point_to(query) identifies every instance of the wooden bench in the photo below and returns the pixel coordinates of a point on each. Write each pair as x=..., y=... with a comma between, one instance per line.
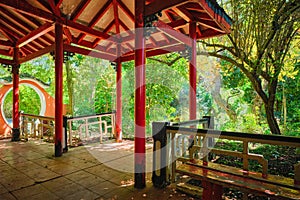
x=215, y=177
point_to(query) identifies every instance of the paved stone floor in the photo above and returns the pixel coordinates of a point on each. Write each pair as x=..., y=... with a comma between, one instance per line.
x=28, y=170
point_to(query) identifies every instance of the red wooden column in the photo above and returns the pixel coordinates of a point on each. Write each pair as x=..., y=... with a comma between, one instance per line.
x=140, y=97
x=193, y=72
x=15, y=74
x=119, y=98
x=59, y=58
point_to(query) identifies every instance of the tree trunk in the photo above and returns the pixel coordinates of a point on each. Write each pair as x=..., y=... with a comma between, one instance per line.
x=269, y=107
x=70, y=88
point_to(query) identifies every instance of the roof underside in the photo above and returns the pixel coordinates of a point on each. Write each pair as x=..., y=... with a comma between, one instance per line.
x=96, y=27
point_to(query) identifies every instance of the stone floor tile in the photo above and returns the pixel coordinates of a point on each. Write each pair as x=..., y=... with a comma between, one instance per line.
x=29, y=191
x=7, y=196
x=103, y=171
x=85, y=179
x=25, y=166
x=56, y=183
x=62, y=168
x=47, y=195
x=66, y=189
x=17, y=181
x=41, y=174
x=119, y=194
x=2, y=189
x=82, y=195
x=104, y=188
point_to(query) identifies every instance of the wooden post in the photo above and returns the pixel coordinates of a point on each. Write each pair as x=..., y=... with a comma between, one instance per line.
x=193, y=72
x=16, y=117
x=59, y=58
x=119, y=96
x=140, y=98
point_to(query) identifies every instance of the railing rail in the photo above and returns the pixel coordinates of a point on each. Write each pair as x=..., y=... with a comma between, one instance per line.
x=86, y=122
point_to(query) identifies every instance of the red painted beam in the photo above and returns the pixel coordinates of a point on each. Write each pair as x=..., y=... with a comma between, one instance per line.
x=23, y=24
x=91, y=53
x=6, y=43
x=140, y=98
x=24, y=7
x=37, y=54
x=193, y=72
x=126, y=10
x=53, y=7
x=116, y=16
x=35, y=34
x=159, y=5
x=80, y=8
x=165, y=28
x=86, y=30
x=155, y=52
x=59, y=59
x=217, y=18
x=97, y=17
x=6, y=61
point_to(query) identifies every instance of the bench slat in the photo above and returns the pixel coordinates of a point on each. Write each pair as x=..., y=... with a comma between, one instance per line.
x=272, y=179
x=238, y=182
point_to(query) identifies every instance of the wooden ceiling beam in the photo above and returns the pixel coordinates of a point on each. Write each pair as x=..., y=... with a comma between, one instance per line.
x=45, y=28
x=168, y=30
x=9, y=37
x=54, y=8
x=109, y=26
x=6, y=61
x=45, y=5
x=79, y=9
x=159, y=5
x=14, y=28
x=177, y=24
x=68, y=34
x=37, y=54
x=154, y=52
x=116, y=16
x=24, y=7
x=126, y=10
x=6, y=43
x=5, y=52
x=88, y=52
x=96, y=18
x=86, y=30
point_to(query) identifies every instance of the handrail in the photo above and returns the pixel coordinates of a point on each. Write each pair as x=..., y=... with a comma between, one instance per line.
x=259, y=138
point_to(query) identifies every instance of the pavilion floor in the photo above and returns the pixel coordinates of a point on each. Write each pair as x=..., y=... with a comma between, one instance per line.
x=28, y=170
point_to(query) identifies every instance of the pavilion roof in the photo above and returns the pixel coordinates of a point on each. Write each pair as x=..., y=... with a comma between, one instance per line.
x=97, y=27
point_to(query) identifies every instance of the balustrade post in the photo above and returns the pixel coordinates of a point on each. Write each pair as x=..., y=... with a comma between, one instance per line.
x=159, y=173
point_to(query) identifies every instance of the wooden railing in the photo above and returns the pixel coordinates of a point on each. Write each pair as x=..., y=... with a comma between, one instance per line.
x=36, y=126
x=193, y=152
x=201, y=149
x=81, y=127
x=85, y=127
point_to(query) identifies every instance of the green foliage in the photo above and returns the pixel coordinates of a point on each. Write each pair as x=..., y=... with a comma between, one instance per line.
x=30, y=102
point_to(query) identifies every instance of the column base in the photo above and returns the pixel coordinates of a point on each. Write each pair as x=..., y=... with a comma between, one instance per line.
x=15, y=134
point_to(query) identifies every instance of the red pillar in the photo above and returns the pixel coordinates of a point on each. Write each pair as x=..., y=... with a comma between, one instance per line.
x=119, y=99
x=140, y=98
x=59, y=57
x=15, y=73
x=193, y=72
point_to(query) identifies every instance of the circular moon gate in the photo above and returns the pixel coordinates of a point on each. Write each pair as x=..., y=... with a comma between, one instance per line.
x=47, y=102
